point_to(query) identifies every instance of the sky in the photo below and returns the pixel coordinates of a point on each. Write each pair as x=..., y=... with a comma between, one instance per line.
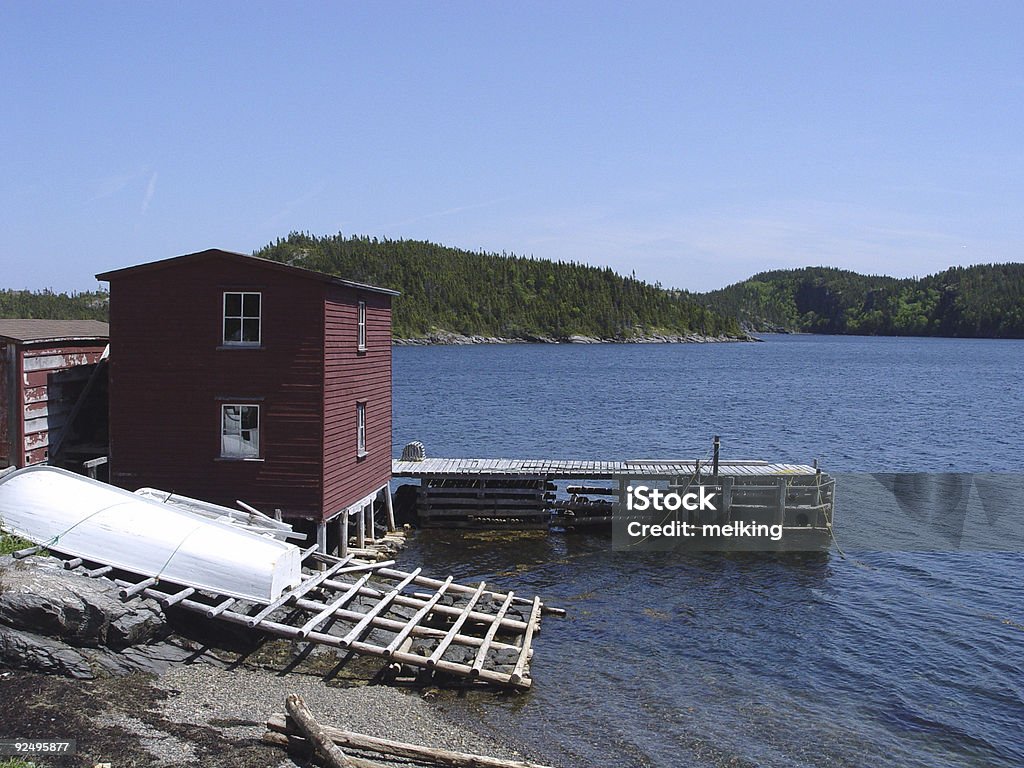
x=692, y=143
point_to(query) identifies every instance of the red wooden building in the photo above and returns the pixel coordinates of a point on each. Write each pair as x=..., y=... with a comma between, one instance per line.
x=48, y=370
x=239, y=378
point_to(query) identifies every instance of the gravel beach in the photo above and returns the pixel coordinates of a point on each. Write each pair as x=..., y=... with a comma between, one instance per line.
x=207, y=714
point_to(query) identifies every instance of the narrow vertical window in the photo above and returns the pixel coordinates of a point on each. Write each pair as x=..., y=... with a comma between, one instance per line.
x=240, y=431
x=242, y=317
x=361, y=328
x=361, y=429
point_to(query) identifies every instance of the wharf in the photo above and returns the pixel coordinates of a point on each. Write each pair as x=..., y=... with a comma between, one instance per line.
x=588, y=470
x=573, y=495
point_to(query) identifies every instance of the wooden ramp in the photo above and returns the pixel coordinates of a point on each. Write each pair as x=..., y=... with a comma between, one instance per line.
x=421, y=625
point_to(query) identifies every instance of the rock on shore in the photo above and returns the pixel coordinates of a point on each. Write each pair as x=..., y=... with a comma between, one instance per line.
x=52, y=620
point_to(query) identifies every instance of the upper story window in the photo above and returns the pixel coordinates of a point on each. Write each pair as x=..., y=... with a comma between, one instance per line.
x=242, y=317
x=240, y=431
x=361, y=327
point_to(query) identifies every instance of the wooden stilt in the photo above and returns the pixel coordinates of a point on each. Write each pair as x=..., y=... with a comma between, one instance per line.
x=321, y=537
x=390, y=509
x=343, y=546
x=370, y=532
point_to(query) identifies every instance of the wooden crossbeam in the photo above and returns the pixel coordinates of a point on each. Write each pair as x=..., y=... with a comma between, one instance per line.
x=524, y=654
x=302, y=589
x=481, y=654
x=334, y=606
x=377, y=609
x=416, y=619
x=453, y=631
x=393, y=625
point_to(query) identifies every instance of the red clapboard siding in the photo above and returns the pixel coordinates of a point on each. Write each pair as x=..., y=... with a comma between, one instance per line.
x=350, y=377
x=170, y=374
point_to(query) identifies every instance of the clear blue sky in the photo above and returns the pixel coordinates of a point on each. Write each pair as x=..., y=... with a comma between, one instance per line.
x=696, y=143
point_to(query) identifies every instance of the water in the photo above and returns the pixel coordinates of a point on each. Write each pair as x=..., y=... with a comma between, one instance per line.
x=879, y=659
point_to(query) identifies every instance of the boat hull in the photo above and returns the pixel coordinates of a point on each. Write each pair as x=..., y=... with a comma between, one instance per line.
x=80, y=517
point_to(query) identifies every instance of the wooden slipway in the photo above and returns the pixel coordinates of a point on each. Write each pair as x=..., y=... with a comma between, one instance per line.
x=421, y=625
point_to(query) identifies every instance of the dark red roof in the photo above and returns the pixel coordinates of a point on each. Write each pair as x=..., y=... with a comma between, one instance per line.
x=211, y=253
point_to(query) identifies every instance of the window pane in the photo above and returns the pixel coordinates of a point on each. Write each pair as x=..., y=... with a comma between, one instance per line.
x=240, y=434
x=250, y=330
x=232, y=329
x=232, y=418
x=232, y=304
x=250, y=417
x=251, y=305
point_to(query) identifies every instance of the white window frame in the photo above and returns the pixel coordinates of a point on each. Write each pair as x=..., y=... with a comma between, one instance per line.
x=360, y=429
x=361, y=327
x=241, y=318
x=228, y=452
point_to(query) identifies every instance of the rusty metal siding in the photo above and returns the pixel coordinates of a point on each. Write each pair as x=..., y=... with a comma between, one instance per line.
x=352, y=377
x=170, y=373
x=52, y=377
x=10, y=400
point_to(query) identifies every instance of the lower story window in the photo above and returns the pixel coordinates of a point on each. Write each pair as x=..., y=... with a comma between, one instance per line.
x=361, y=429
x=240, y=431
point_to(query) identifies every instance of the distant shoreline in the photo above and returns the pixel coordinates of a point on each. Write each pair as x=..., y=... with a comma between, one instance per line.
x=449, y=338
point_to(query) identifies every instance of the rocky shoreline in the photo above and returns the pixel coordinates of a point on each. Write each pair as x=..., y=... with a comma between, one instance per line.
x=441, y=337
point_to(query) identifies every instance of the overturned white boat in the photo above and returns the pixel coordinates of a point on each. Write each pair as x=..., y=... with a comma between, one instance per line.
x=84, y=518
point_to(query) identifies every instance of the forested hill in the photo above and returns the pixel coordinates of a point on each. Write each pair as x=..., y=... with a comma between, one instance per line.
x=500, y=295
x=986, y=300
x=47, y=305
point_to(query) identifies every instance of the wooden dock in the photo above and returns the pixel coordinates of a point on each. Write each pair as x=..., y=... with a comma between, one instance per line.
x=532, y=493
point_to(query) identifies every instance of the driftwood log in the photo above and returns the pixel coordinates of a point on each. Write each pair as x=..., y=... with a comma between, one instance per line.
x=300, y=747
x=280, y=724
x=310, y=729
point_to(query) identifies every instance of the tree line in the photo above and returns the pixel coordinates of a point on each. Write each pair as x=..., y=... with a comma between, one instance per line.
x=48, y=305
x=490, y=294
x=981, y=301
x=504, y=295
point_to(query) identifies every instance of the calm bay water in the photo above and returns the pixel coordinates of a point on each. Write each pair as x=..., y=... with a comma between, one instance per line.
x=877, y=659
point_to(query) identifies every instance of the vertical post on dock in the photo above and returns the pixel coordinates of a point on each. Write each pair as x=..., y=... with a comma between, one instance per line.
x=780, y=511
x=714, y=460
x=727, y=498
x=360, y=528
x=321, y=537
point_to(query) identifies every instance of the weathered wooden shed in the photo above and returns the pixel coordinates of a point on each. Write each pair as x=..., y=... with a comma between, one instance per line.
x=239, y=378
x=47, y=369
